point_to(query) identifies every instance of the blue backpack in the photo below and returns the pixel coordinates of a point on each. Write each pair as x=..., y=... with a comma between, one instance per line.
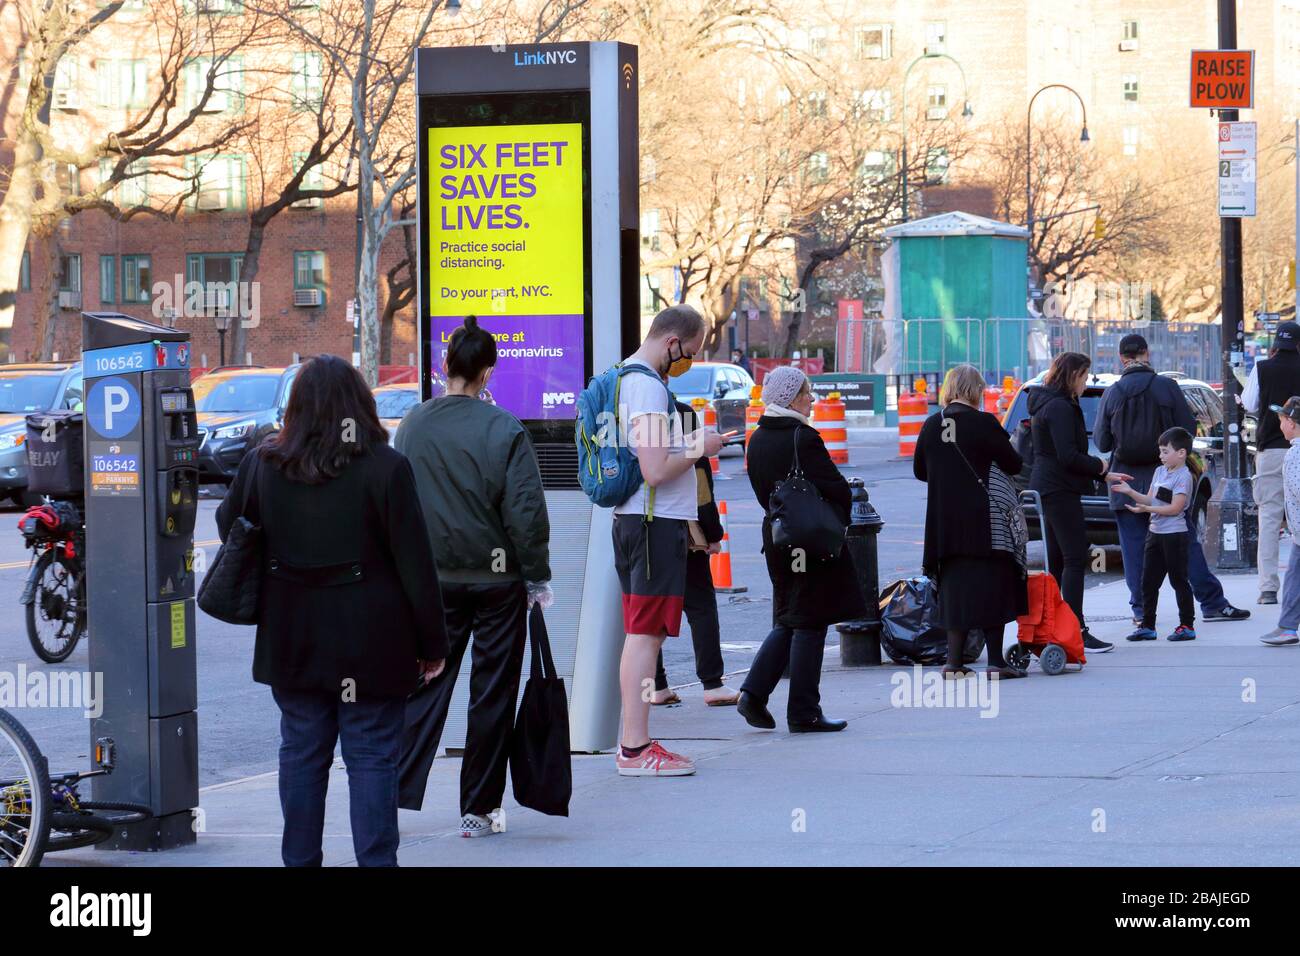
x=607, y=470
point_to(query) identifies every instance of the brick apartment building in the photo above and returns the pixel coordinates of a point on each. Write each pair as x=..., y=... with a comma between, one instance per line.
x=1127, y=58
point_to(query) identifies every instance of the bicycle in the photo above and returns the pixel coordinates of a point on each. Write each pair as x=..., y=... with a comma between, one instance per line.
x=34, y=804
x=55, y=592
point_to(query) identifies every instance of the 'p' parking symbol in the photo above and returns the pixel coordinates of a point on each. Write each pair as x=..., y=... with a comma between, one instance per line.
x=113, y=407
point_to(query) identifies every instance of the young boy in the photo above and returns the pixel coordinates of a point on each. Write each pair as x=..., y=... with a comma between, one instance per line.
x=1289, y=416
x=1167, y=535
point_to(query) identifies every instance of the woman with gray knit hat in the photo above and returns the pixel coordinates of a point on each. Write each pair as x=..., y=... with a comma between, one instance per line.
x=808, y=595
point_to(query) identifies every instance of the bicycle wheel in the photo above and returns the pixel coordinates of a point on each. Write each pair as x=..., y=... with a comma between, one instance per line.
x=24, y=796
x=56, y=618
x=71, y=830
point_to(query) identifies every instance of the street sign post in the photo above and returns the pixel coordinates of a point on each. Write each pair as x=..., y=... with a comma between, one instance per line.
x=1223, y=79
x=1237, y=169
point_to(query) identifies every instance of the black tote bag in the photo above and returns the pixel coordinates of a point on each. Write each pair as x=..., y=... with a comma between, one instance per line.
x=540, y=768
x=802, y=518
x=233, y=581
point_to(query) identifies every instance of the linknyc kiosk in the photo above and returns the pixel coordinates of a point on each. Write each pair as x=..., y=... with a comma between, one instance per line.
x=141, y=488
x=529, y=220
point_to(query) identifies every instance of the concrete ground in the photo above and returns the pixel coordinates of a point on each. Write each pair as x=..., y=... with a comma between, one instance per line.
x=1155, y=754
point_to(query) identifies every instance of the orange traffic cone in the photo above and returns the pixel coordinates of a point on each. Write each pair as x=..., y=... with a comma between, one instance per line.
x=720, y=563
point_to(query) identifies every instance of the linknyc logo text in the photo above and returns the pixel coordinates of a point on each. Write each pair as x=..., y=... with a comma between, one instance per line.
x=547, y=58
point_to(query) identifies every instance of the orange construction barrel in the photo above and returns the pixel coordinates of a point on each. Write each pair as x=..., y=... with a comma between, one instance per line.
x=753, y=412
x=991, y=396
x=912, y=411
x=828, y=419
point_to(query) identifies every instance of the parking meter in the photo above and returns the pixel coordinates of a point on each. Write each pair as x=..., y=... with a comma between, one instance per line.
x=141, y=488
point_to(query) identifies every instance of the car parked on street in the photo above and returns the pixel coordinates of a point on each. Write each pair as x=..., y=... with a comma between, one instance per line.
x=24, y=389
x=1207, y=408
x=394, y=401
x=238, y=407
x=723, y=385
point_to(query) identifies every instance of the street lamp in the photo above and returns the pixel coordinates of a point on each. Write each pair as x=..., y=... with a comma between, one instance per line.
x=1029, y=156
x=222, y=322
x=966, y=111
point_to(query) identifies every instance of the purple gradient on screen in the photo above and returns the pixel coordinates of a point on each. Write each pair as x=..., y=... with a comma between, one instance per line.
x=528, y=386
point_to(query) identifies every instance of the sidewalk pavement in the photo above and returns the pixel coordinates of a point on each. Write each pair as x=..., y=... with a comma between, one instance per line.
x=1154, y=754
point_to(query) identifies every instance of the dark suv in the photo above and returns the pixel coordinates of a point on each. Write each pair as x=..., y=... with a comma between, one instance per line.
x=237, y=408
x=1206, y=406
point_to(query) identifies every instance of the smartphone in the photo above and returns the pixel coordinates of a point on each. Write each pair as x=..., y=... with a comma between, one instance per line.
x=1165, y=494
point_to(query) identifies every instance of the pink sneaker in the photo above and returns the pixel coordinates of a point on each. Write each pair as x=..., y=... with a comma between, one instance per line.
x=654, y=761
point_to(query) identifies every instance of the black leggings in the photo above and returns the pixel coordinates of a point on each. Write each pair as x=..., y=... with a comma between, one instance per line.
x=1067, y=547
x=993, y=638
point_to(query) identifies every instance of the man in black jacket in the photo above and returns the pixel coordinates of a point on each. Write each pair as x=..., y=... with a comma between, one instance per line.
x=1166, y=408
x=1272, y=382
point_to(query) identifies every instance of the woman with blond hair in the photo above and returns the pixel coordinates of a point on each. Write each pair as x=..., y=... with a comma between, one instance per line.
x=974, y=531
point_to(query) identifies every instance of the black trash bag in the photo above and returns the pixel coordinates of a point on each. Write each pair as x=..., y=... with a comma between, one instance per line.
x=908, y=631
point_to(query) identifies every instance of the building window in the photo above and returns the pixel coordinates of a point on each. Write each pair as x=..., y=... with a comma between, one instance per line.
x=1129, y=39
x=227, y=76
x=134, y=189
x=221, y=182
x=137, y=278
x=25, y=273
x=309, y=270
x=305, y=89
x=816, y=105
x=68, y=176
x=1131, y=140
x=70, y=273
x=877, y=165
x=817, y=40
x=122, y=84
x=936, y=36
x=1130, y=88
x=217, y=6
x=107, y=280
x=936, y=167
x=874, y=42
x=875, y=106
x=650, y=229
x=936, y=103
x=818, y=167
x=64, y=95
x=218, y=273
x=650, y=296
x=649, y=171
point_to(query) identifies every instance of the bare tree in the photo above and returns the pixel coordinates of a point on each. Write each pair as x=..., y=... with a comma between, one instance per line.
x=152, y=142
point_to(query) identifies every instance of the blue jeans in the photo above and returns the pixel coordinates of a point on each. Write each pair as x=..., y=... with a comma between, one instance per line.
x=1289, y=619
x=371, y=737
x=1132, y=540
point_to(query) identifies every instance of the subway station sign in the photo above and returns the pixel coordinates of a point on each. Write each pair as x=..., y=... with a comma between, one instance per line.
x=1223, y=79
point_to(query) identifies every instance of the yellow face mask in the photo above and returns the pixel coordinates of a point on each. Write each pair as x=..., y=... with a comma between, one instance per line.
x=680, y=365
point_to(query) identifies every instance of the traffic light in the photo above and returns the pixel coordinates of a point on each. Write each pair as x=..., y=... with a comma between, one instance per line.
x=1099, y=228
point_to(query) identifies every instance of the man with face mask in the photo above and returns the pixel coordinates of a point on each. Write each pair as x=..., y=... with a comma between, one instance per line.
x=650, y=529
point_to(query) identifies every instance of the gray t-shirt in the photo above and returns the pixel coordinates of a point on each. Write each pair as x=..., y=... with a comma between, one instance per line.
x=1179, y=483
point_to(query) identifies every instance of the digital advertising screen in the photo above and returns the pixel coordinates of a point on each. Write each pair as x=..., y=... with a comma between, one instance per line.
x=505, y=241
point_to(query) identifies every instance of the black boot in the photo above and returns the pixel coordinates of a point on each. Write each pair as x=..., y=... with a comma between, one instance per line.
x=755, y=713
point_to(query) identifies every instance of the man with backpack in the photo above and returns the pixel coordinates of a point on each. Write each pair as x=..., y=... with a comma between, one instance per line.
x=633, y=456
x=1272, y=382
x=1134, y=413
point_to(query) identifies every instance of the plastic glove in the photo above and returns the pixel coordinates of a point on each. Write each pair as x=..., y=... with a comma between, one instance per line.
x=540, y=593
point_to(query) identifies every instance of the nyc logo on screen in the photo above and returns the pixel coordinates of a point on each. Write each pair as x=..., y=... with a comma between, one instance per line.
x=551, y=399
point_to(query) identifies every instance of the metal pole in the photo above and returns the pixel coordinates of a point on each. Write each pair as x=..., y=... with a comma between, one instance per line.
x=221, y=336
x=1232, y=518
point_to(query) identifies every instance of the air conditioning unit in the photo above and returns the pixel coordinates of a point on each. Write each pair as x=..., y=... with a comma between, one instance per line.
x=69, y=300
x=308, y=298
x=212, y=199
x=312, y=202
x=1128, y=46
x=65, y=100
x=937, y=113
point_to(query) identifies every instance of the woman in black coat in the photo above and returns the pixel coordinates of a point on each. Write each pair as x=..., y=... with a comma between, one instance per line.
x=349, y=612
x=981, y=583
x=808, y=595
x=1064, y=471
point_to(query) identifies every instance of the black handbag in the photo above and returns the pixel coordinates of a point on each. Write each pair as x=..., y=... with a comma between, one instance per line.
x=230, y=588
x=540, y=768
x=801, y=517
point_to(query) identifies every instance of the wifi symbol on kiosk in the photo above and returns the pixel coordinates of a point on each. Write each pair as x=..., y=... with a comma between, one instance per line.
x=627, y=76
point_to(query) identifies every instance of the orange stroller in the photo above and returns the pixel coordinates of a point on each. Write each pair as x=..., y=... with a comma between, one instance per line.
x=1050, y=630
